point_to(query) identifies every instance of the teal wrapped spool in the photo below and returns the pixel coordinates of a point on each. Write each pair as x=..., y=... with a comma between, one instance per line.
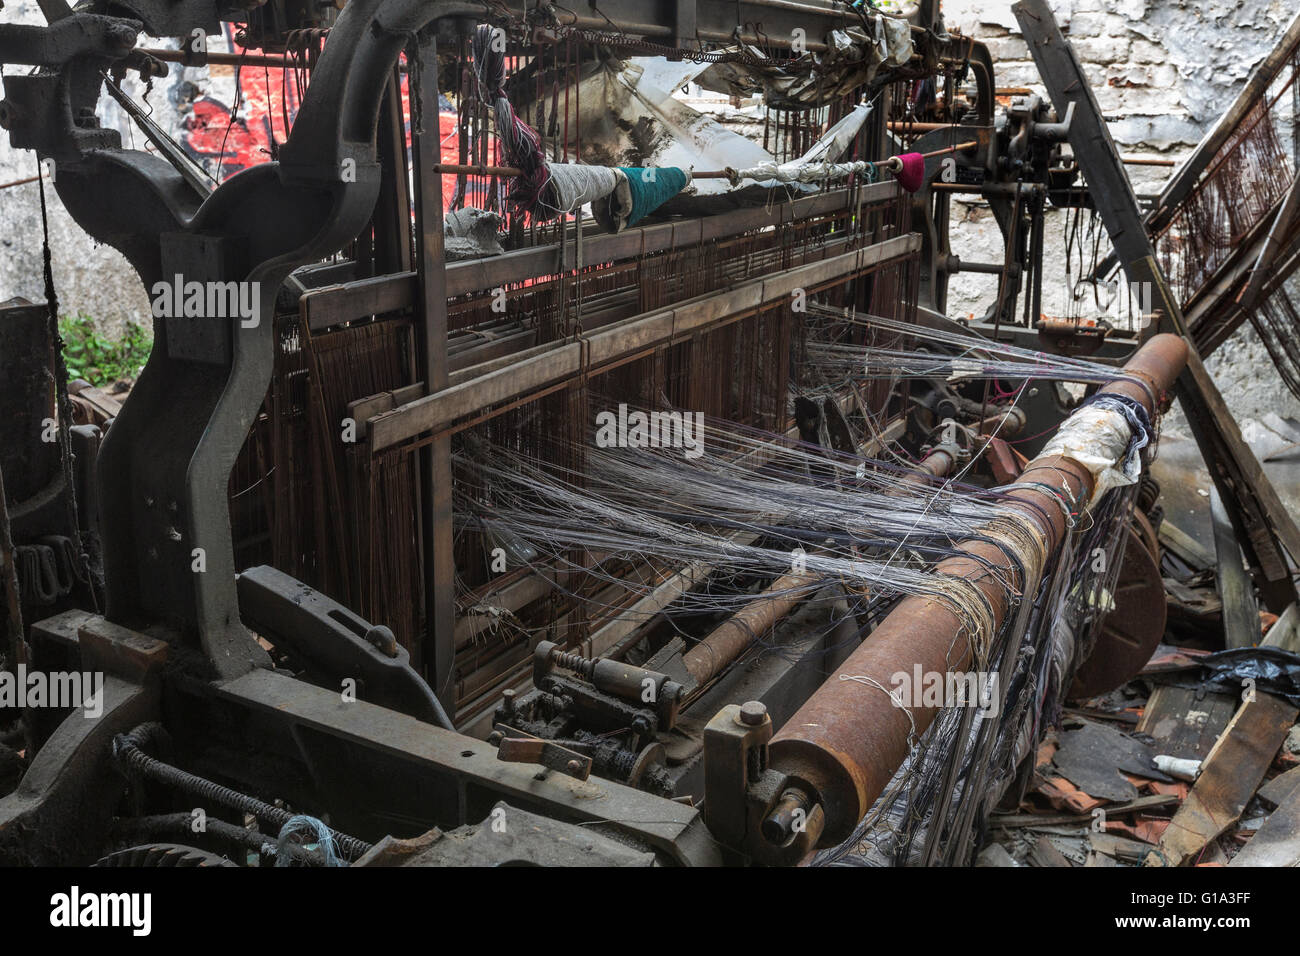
x=652, y=191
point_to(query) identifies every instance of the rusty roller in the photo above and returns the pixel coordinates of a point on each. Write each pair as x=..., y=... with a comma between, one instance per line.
x=845, y=744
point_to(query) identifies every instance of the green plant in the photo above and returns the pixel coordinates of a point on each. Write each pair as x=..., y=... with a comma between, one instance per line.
x=98, y=359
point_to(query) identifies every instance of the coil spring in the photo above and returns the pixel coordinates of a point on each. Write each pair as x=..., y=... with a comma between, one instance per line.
x=573, y=662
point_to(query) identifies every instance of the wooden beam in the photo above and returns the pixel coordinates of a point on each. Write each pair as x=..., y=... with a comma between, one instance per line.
x=1277, y=842
x=350, y=301
x=1229, y=777
x=1185, y=546
x=1240, y=611
x=436, y=510
x=1016, y=821
x=620, y=342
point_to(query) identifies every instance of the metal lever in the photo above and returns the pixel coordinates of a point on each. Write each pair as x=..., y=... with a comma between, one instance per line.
x=517, y=746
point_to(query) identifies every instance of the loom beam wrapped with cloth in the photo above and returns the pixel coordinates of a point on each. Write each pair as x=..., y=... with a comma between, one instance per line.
x=849, y=738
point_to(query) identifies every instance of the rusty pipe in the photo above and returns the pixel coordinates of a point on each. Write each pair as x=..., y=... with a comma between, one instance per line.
x=1006, y=423
x=939, y=462
x=729, y=639
x=847, y=740
x=224, y=59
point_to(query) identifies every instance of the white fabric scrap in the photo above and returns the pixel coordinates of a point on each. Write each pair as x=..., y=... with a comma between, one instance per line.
x=893, y=40
x=817, y=165
x=1096, y=438
x=798, y=172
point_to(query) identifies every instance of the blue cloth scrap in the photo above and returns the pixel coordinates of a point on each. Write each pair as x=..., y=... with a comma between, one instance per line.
x=649, y=192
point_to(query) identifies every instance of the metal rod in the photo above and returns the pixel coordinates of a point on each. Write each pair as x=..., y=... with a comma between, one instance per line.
x=19, y=182
x=729, y=639
x=223, y=59
x=732, y=637
x=475, y=169
x=472, y=169
x=1141, y=161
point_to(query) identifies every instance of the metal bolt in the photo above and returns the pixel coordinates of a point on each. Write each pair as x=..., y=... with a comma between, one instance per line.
x=575, y=766
x=752, y=713
x=783, y=823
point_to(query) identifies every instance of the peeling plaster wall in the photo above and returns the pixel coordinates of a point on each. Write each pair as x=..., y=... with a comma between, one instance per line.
x=1163, y=70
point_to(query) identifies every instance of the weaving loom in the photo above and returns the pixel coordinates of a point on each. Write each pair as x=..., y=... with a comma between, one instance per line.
x=659, y=483
x=637, y=555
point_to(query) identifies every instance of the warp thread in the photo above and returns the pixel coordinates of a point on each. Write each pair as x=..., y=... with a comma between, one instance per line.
x=976, y=357
x=656, y=503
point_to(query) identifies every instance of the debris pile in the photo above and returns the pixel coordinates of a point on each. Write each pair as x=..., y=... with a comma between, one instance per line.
x=1194, y=762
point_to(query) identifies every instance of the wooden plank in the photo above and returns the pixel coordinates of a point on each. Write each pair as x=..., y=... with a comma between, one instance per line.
x=1240, y=612
x=1013, y=821
x=1045, y=853
x=1229, y=778
x=1263, y=525
x=1285, y=632
x=439, y=646
x=104, y=403
x=1275, y=792
x=1184, y=722
x=1191, y=551
x=1277, y=842
x=393, y=207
